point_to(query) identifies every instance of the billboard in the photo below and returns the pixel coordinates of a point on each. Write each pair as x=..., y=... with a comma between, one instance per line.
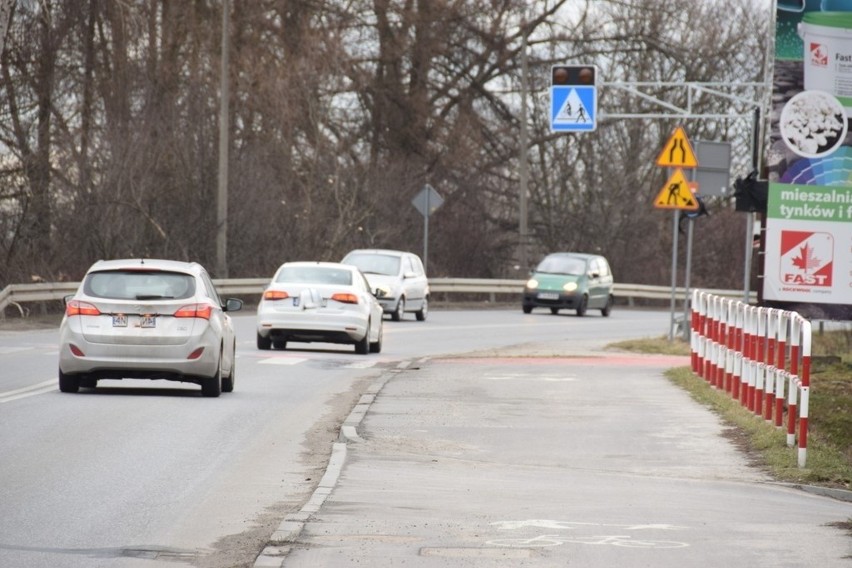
x=808, y=244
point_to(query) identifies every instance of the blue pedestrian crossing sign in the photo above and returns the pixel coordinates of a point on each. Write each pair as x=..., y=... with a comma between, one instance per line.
x=573, y=98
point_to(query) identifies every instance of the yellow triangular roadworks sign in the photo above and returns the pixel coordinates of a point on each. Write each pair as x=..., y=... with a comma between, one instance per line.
x=677, y=153
x=676, y=194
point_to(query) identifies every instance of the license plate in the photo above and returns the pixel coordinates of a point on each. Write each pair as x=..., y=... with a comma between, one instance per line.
x=548, y=295
x=147, y=321
x=119, y=320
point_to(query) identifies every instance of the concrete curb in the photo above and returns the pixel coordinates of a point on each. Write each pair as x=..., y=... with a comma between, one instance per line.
x=839, y=494
x=275, y=552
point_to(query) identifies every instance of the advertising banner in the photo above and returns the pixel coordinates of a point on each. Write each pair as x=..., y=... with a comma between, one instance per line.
x=808, y=244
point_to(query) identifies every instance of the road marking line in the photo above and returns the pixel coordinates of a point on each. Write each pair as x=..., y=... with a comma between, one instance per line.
x=550, y=378
x=10, y=350
x=32, y=390
x=360, y=365
x=282, y=361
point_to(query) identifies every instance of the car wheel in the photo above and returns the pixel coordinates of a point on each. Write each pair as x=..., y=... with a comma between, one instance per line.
x=279, y=344
x=424, y=309
x=607, y=309
x=584, y=305
x=212, y=386
x=264, y=343
x=377, y=346
x=527, y=309
x=68, y=383
x=363, y=347
x=228, y=382
x=554, y=311
x=88, y=382
x=400, y=309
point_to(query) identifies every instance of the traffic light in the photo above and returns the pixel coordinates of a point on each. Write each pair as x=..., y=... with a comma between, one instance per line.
x=573, y=75
x=751, y=194
x=689, y=214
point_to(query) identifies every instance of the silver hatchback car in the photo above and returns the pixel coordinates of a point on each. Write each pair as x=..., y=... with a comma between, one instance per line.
x=148, y=319
x=401, y=277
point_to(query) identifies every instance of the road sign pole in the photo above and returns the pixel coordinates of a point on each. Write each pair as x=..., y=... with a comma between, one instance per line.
x=686, y=281
x=675, y=215
x=426, y=236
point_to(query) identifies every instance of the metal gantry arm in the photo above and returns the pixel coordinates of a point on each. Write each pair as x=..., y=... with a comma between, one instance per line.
x=747, y=95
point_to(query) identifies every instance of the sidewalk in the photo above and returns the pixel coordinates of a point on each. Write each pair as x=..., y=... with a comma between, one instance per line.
x=534, y=458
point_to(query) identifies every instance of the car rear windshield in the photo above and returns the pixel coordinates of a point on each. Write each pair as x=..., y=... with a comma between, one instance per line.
x=139, y=285
x=315, y=275
x=375, y=263
x=562, y=265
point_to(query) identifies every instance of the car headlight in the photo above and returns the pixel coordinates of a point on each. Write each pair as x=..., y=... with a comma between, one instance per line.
x=532, y=284
x=570, y=286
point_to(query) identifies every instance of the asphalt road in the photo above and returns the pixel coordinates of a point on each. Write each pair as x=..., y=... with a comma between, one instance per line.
x=143, y=473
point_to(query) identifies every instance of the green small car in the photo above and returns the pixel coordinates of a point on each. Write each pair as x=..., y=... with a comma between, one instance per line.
x=570, y=281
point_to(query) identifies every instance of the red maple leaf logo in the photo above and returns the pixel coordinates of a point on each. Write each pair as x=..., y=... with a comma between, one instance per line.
x=806, y=259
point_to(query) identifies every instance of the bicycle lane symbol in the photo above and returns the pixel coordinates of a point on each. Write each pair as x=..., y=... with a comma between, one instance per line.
x=546, y=540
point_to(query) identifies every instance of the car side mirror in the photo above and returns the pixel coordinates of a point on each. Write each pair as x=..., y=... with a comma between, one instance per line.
x=409, y=275
x=233, y=305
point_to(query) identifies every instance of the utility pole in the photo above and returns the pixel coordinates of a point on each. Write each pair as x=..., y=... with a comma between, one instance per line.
x=522, y=159
x=5, y=15
x=222, y=194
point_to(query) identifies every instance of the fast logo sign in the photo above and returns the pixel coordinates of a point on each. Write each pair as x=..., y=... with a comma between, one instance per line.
x=807, y=259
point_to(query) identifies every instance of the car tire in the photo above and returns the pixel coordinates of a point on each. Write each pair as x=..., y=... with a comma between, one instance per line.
x=424, y=309
x=362, y=347
x=228, y=382
x=279, y=344
x=607, y=309
x=68, y=383
x=264, y=343
x=583, y=306
x=212, y=386
x=377, y=346
x=554, y=311
x=527, y=309
x=397, y=314
x=88, y=382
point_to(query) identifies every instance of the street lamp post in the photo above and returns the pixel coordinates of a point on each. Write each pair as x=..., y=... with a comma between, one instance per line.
x=222, y=194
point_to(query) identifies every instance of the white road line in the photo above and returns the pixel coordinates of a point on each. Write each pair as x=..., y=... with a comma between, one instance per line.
x=360, y=365
x=32, y=390
x=10, y=350
x=282, y=361
x=526, y=377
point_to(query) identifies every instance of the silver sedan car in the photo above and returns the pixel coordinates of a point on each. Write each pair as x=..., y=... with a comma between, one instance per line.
x=147, y=319
x=319, y=301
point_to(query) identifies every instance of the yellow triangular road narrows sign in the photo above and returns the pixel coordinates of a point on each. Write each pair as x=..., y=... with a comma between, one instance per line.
x=677, y=153
x=676, y=194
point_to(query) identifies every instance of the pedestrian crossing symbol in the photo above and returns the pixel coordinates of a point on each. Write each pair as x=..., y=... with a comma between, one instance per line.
x=677, y=194
x=573, y=108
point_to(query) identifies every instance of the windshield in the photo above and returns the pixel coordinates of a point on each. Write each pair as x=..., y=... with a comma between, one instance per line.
x=315, y=275
x=562, y=265
x=139, y=285
x=375, y=263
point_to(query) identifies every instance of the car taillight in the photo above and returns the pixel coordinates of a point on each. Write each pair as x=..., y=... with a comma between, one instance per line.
x=202, y=311
x=275, y=295
x=345, y=298
x=78, y=308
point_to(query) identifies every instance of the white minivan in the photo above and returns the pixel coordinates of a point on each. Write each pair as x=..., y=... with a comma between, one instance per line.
x=400, y=275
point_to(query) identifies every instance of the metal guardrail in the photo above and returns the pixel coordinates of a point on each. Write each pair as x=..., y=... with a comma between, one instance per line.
x=16, y=295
